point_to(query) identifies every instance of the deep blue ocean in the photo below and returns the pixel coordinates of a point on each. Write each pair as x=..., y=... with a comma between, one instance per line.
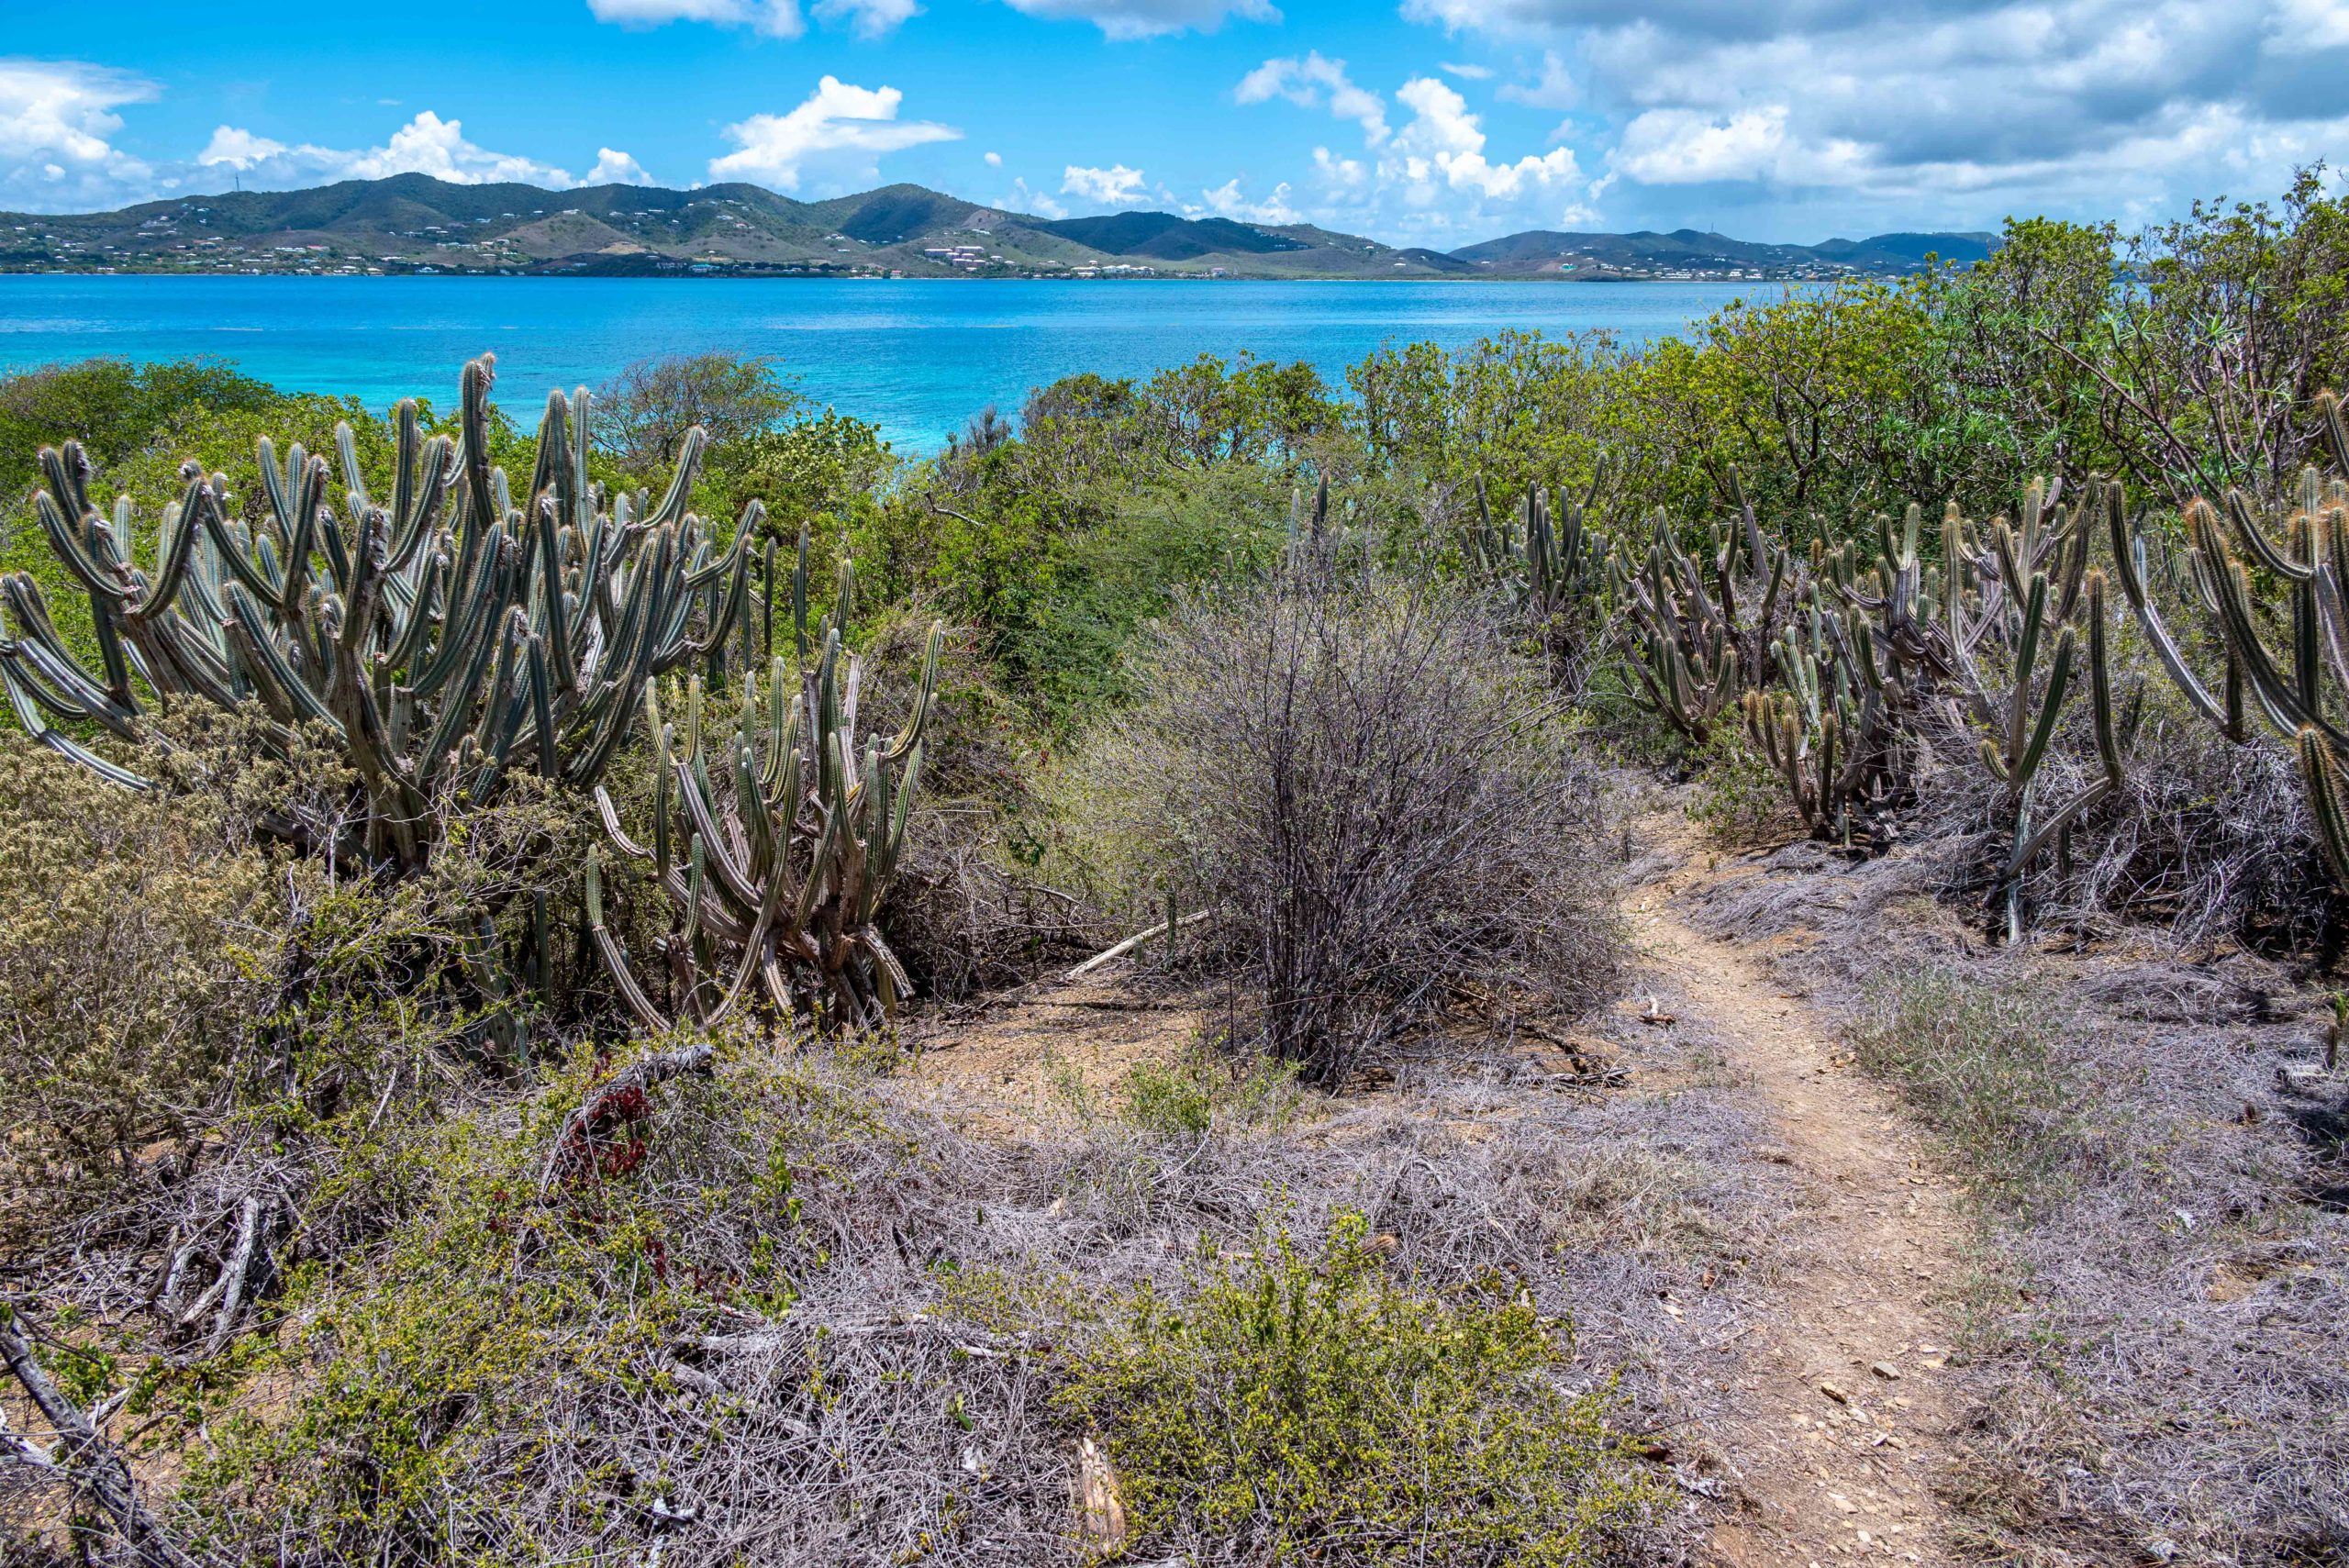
x=916, y=357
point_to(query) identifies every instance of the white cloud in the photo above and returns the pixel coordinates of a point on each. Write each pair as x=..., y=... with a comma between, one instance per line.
x=1114, y=186
x=1127, y=20
x=2311, y=23
x=993, y=160
x=57, y=125
x=1227, y=201
x=1683, y=147
x=776, y=18
x=2094, y=107
x=1023, y=199
x=1553, y=89
x=1467, y=73
x=1304, y=82
x=425, y=145
x=614, y=167
x=1432, y=176
x=867, y=18
x=1444, y=143
x=1339, y=173
x=233, y=148
x=839, y=134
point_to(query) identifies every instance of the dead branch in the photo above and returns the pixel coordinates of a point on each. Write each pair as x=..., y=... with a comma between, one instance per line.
x=619, y=1100
x=1123, y=948
x=82, y=1456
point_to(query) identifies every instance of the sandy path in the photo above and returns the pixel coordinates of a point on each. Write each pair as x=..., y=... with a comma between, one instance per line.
x=1852, y=1473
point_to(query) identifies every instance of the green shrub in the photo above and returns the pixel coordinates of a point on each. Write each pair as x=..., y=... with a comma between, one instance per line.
x=1200, y=1091
x=1309, y=1409
x=140, y=939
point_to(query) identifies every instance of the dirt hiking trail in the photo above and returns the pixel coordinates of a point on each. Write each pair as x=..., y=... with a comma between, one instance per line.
x=1841, y=1435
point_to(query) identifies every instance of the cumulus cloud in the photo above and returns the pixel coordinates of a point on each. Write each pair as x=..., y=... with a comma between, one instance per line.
x=1338, y=174
x=1307, y=83
x=1941, y=110
x=838, y=135
x=1022, y=198
x=425, y=145
x=1552, y=89
x=1443, y=145
x=614, y=167
x=1228, y=201
x=1432, y=175
x=993, y=160
x=775, y=18
x=57, y=125
x=1128, y=20
x=1114, y=186
x=867, y=18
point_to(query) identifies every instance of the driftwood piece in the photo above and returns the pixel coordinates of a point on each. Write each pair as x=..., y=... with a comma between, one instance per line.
x=82, y=1456
x=1123, y=948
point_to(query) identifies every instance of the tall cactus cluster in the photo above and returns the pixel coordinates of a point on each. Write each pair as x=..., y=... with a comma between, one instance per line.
x=2301, y=694
x=775, y=838
x=1706, y=628
x=1839, y=666
x=443, y=633
x=1548, y=567
x=449, y=630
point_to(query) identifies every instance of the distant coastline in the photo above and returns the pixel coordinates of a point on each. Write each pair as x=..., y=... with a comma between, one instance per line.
x=744, y=275
x=412, y=226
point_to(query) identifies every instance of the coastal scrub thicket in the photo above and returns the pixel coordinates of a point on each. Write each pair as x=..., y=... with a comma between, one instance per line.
x=454, y=979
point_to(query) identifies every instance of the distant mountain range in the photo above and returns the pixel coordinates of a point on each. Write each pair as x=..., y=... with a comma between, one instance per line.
x=410, y=223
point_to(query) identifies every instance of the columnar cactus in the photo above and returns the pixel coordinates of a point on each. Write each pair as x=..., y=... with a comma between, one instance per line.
x=1696, y=651
x=775, y=841
x=443, y=633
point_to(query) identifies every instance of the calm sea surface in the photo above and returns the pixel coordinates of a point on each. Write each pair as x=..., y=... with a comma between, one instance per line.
x=916, y=358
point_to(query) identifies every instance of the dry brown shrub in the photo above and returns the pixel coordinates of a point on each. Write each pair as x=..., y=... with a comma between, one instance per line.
x=1378, y=804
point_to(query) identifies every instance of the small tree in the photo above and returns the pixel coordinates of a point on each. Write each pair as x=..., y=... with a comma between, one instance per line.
x=643, y=413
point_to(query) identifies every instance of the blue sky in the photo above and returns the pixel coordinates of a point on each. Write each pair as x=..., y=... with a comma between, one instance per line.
x=1428, y=121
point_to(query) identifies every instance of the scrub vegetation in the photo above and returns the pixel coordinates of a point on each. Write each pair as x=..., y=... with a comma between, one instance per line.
x=643, y=977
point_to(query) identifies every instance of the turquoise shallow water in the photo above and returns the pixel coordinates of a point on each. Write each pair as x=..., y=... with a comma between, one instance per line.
x=916, y=358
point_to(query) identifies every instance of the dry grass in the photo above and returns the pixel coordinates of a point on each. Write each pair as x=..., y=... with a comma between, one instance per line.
x=2156, y=1311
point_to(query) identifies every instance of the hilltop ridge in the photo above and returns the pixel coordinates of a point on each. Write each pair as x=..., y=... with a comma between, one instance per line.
x=412, y=223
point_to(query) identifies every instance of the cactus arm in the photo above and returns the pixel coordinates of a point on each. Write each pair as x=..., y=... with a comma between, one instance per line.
x=542, y=707
x=614, y=955
x=556, y=619
x=2248, y=531
x=2320, y=771
x=2027, y=848
x=2277, y=695
x=2026, y=657
x=2100, y=680
x=2059, y=675
x=2129, y=563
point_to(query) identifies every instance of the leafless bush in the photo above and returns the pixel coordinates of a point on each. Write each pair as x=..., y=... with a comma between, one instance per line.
x=967, y=915
x=1375, y=802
